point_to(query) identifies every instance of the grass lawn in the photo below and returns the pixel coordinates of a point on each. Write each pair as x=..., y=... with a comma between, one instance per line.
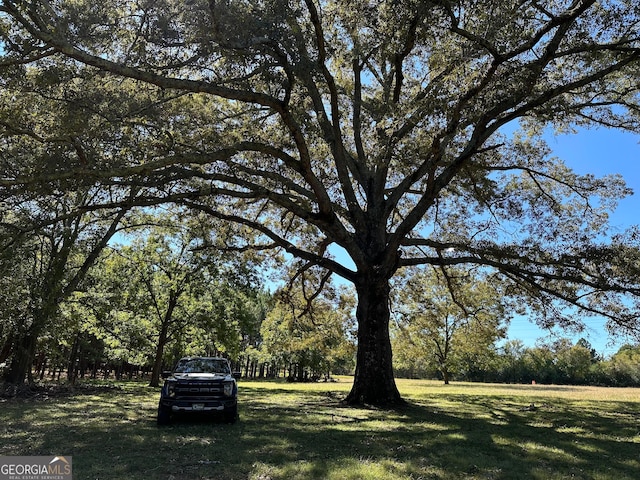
x=300, y=431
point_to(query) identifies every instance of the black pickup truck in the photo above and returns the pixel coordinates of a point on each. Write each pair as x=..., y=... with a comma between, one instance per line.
x=203, y=385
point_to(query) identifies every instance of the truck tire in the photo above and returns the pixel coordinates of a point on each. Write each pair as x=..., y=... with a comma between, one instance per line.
x=164, y=415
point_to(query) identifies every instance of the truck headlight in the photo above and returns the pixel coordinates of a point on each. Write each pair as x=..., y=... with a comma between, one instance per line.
x=171, y=390
x=228, y=389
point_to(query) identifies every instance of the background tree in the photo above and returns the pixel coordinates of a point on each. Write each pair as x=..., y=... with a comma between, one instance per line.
x=623, y=369
x=573, y=362
x=50, y=120
x=448, y=318
x=311, y=337
x=511, y=368
x=69, y=344
x=58, y=257
x=252, y=359
x=15, y=271
x=163, y=282
x=161, y=286
x=376, y=129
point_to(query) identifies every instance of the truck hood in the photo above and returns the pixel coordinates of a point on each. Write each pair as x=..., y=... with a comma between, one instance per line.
x=202, y=376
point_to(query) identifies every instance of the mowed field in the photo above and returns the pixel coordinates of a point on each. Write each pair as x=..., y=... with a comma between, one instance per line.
x=302, y=431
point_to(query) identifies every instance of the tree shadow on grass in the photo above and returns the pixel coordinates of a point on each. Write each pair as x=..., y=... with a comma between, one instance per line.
x=481, y=438
x=311, y=435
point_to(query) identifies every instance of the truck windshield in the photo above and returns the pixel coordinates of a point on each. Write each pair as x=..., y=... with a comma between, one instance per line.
x=202, y=365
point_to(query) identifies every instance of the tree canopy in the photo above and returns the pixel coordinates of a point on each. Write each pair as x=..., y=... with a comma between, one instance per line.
x=380, y=128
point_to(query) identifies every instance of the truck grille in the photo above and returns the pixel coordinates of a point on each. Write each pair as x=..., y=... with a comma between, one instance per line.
x=197, y=389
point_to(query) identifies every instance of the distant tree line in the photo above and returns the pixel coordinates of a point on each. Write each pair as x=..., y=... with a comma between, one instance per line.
x=452, y=325
x=560, y=362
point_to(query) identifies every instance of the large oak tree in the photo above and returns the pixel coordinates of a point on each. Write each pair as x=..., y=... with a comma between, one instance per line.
x=371, y=127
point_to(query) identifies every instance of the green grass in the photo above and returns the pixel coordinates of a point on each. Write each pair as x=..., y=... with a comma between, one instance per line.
x=301, y=431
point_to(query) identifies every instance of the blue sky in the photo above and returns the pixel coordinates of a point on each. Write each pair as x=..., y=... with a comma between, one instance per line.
x=600, y=152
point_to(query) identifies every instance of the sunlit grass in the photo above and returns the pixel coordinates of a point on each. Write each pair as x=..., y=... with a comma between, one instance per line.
x=302, y=431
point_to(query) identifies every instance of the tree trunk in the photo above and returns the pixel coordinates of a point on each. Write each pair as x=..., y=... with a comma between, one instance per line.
x=72, y=371
x=374, y=383
x=22, y=359
x=246, y=366
x=5, y=351
x=43, y=369
x=157, y=362
x=162, y=340
x=445, y=375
